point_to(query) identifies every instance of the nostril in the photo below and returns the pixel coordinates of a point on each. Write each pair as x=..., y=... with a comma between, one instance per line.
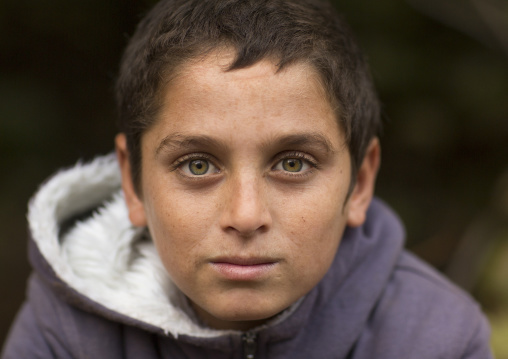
x=247, y=219
x=248, y=233
x=245, y=208
x=247, y=223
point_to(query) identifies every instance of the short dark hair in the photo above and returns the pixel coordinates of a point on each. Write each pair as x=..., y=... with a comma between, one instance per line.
x=287, y=31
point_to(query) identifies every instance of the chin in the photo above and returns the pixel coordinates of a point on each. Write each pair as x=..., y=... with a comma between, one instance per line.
x=248, y=314
x=243, y=316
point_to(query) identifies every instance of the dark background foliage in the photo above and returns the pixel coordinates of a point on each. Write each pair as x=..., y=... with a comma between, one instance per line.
x=441, y=71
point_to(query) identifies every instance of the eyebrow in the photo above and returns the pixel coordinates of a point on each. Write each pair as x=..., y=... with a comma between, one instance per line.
x=181, y=141
x=299, y=140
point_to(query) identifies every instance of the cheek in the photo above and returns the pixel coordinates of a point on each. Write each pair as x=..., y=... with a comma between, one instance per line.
x=178, y=230
x=314, y=230
x=316, y=246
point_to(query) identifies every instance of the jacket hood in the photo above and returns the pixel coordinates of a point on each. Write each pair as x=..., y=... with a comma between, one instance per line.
x=85, y=248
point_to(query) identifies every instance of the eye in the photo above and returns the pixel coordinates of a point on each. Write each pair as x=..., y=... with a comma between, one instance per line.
x=197, y=167
x=292, y=165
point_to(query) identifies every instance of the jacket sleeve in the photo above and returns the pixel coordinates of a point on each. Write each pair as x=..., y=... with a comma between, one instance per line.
x=38, y=330
x=479, y=347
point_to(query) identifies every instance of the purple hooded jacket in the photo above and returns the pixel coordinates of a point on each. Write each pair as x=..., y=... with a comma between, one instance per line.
x=99, y=290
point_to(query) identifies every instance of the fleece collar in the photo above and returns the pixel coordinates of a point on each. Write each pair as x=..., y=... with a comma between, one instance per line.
x=103, y=257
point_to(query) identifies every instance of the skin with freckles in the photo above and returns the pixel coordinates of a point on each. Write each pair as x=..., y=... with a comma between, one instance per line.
x=244, y=185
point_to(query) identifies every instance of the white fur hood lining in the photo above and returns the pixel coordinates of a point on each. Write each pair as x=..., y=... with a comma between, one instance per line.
x=104, y=257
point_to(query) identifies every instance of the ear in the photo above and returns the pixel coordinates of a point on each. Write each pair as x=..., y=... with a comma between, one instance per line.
x=134, y=203
x=363, y=191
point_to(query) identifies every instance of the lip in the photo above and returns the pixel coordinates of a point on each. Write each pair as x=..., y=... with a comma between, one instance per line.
x=243, y=269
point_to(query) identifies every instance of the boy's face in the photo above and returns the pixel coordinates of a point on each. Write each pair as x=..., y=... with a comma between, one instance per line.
x=244, y=184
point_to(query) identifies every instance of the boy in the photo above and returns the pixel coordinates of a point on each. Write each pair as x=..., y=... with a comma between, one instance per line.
x=245, y=224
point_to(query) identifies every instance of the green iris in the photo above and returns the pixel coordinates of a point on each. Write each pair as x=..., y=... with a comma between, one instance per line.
x=198, y=167
x=292, y=164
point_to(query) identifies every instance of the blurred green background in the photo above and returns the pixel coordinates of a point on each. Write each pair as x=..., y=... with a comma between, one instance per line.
x=441, y=69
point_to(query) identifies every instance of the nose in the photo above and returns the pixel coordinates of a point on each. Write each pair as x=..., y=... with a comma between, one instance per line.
x=246, y=209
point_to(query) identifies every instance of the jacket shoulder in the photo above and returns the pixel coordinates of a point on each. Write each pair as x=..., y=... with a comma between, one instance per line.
x=421, y=312
x=55, y=329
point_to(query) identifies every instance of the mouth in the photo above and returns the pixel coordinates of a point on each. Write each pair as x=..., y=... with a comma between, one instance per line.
x=243, y=269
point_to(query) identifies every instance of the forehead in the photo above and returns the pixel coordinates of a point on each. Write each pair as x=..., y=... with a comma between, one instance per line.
x=214, y=69
x=255, y=107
